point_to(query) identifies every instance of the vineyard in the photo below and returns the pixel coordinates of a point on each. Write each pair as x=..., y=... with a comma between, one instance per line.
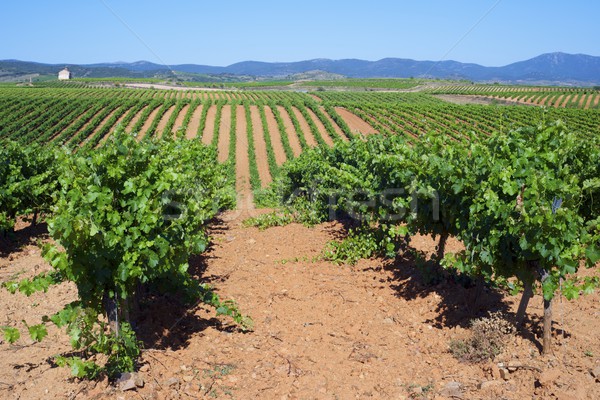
x=254, y=131
x=409, y=223
x=539, y=96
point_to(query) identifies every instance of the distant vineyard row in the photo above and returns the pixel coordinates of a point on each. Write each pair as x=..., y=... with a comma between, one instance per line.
x=560, y=97
x=254, y=132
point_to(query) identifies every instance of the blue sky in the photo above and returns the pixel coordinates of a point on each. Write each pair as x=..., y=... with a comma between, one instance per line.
x=487, y=32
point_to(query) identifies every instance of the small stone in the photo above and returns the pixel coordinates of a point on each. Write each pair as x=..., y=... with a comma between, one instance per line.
x=564, y=396
x=548, y=377
x=504, y=374
x=145, y=368
x=416, y=390
x=126, y=381
x=489, y=384
x=495, y=372
x=188, y=378
x=452, y=389
x=512, y=366
x=388, y=321
x=251, y=241
x=183, y=368
x=596, y=372
x=173, y=381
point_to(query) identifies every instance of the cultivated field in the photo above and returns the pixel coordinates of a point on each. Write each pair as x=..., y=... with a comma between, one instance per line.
x=257, y=131
x=383, y=327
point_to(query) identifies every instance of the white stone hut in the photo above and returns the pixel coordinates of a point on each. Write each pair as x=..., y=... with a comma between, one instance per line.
x=64, y=75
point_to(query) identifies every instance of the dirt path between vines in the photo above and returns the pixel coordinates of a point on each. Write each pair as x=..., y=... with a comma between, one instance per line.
x=242, y=165
x=336, y=128
x=209, y=127
x=291, y=131
x=179, y=119
x=135, y=119
x=147, y=123
x=260, y=147
x=100, y=126
x=163, y=121
x=192, y=129
x=355, y=124
x=379, y=329
x=308, y=135
x=280, y=156
x=320, y=127
x=224, y=139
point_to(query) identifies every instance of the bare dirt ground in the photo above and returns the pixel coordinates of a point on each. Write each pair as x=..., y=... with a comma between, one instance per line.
x=100, y=125
x=169, y=87
x=192, y=129
x=291, y=131
x=147, y=124
x=260, y=147
x=320, y=127
x=242, y=165
x=135, y=119
x=336, y=128
x=163, y=121
x=355, y=124
x=558, y=101
x=308, y=135
x=379, y=329
x=280, y=156
x=180, y=117
x=224, y=139
x=85, y=126
x=209, y=126
x=476, y=99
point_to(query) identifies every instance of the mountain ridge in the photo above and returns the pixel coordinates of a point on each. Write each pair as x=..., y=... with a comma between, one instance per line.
x=553, y=68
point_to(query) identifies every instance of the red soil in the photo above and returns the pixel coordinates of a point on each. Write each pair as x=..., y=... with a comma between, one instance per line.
x=223, y=144
x=280, y=156
x=242, y=164
x=336, y=128
x=135, y=119
x=100, y=125
x=322, y=331
x=209, y=127
x=147, y=124
x=291, y=131
x=260, y=147
x=163, y=122
x=194, y=124
x=320, y=127
x=308, y=136
x=355, y=124
x=86, y=125
x=180, y=117
x=558, y=101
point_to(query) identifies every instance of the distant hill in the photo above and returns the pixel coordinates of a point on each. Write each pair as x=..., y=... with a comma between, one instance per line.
x=552, y=68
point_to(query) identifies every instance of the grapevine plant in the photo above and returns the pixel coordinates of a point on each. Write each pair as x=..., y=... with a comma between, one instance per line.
x=523, y=202
x=127, y=218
